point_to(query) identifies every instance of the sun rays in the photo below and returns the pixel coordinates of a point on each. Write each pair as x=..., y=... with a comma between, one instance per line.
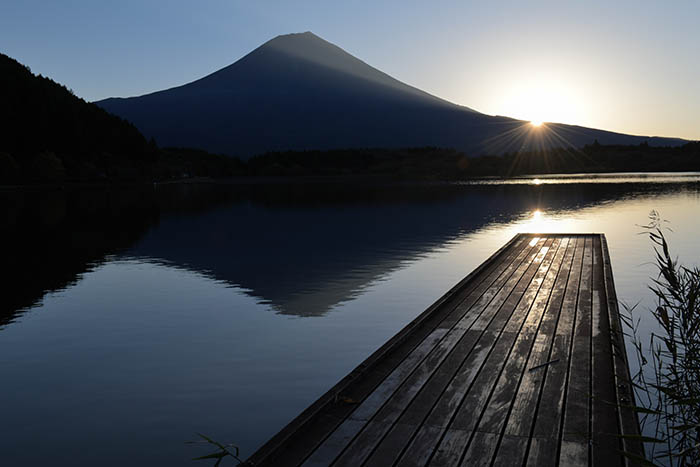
x=519, y=137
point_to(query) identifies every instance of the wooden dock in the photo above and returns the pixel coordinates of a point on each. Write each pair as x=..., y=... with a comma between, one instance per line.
x=521, y=363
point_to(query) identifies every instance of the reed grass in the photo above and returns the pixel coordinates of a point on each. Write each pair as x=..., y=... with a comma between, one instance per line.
x=223, y=451
x=667, y=384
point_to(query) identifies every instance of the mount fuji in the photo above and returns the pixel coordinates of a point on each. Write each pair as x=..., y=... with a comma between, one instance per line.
x=298, y=92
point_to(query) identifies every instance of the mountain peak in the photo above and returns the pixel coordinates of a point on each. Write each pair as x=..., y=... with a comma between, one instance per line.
x=304, y=60
x=307, y=46
x=295, y=39
x=307, y=34
x=299, y=91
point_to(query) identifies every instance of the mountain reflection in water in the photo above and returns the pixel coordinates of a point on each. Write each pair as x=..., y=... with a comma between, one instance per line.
x=301, y=248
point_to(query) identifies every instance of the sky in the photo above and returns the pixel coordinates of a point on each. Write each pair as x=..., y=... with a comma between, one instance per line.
x=631, y=67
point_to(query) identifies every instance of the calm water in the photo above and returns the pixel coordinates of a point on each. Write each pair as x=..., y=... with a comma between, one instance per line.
x=133, y=318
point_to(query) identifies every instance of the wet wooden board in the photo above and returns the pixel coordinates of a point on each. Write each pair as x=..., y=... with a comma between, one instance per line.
x=518, y=364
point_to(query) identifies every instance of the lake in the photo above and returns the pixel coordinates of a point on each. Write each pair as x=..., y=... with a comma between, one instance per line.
x=133, y=317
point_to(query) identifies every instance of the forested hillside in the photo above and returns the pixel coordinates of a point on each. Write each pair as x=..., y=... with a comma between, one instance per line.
x=49, y=134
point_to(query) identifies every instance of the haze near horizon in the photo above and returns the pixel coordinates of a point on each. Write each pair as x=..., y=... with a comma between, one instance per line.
x=628, y=67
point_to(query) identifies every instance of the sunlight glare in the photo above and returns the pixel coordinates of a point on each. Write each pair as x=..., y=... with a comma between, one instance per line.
x=539, y=222
x=545, y=96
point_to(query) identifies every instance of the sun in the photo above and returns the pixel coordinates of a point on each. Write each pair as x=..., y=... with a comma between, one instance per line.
x=543, y=96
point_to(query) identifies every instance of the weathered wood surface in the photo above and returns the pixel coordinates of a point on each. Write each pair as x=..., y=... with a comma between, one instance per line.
x=521, y=363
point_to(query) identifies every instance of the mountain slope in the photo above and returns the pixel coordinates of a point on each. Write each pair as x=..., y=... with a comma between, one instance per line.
x=49, y=133
x=298, y=91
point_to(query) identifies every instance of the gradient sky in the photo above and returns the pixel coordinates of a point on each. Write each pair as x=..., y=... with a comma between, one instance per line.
x=632, y=67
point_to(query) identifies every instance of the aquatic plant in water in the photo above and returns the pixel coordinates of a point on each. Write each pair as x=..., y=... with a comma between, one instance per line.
x=224, y=451
x=667, y=385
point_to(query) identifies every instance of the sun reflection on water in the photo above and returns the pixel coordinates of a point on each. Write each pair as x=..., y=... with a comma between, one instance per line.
x=538, y=221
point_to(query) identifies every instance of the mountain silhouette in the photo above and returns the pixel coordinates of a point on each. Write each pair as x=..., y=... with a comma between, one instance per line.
x=49, y=134
x=299, y=92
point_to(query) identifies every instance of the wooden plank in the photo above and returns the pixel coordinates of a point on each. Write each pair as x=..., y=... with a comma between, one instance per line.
x=493, y=348
x=393, y=444
x=397, y=437
x=576, y=425
x=300, y=437
x=397, y=400
x=541, y=452
x=367, y=440
x=606, y=445
x=508, y=452
x=443, y=413
x=501, y=287
x=450, y=451
x=428, y=437
x=496, y=280
x=482, y=446
x=375, y=400
x=499, y=354
x=386, y=389
x=628, y=421
x=495, y=416
x=327, y=452
x=527, y=398
x=454, y=387
x=573, y=453
x=530, y=347
x=341, y=437
x=371, y=404
x=548, y=418
x=544, y=438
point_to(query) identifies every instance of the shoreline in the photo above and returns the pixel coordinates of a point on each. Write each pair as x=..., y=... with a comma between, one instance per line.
x=345, y=179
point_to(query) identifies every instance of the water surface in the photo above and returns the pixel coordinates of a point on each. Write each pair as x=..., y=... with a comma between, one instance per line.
x=134, y=317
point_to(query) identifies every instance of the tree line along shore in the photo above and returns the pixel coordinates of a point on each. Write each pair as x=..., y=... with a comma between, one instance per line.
x=52, y=136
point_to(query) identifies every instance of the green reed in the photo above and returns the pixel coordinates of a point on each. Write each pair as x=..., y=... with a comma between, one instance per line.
x=667, y=385
x=223, y=451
